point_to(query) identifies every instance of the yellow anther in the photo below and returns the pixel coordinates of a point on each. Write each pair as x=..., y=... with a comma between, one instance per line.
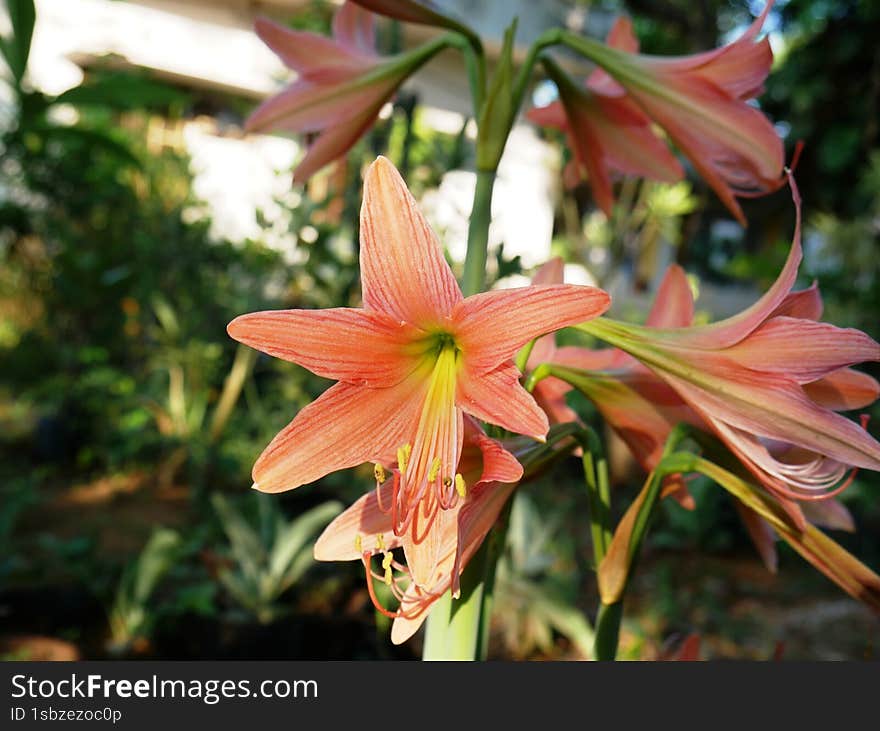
x=358, y=544
x=403, y=454
x=380, y=542
x=460, y=485
x=387, y=558
x=435, y=470
x=379, y=473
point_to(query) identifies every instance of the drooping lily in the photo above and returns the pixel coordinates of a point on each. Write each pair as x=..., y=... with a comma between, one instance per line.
x=342, y=84
x=768, y=381
x=410, y=364
x=606, y=131
x=701, y=101
x=366, y=530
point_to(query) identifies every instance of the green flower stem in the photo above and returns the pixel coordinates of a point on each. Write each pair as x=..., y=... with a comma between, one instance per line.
x=598, y=495
x=474, y=278
x=459, y=629
x=549, y=38
x=610, y=615
x=607, y=631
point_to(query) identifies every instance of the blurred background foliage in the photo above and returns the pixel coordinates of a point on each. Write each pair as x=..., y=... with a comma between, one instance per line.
x=129, y=421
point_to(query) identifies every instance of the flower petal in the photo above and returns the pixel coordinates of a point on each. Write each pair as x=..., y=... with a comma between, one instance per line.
x=355, y=29
x=498, y=465
x=358, y=346
x=844, y=390
x=403, y=272
x=308, y=106
x=365, y=520
x=586, y=359
x=804, y=350
x=805, y=304
x=674, y=304
x=475, y=520
x=306, y=52
x=762, y=535
x=490, y=327
x=347, y=426
x=551, y=271
x=498, y=397
x=831, y=514
x=333, y=143
x=773, y=406
x=551, y=115
x=725, y=333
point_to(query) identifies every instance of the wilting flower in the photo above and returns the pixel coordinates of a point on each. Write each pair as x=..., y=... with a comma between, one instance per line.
x=768, y=381
x=701, y=101
x=341, y=86
x=606, y=131
x=409, y=365
x=366, y=530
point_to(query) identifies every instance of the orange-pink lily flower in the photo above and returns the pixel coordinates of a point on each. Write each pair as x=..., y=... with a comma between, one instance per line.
x=768, y=382
x=366, y=530
x=606, y=131
x=410, y=364
x=701, y=101
x=341, y=86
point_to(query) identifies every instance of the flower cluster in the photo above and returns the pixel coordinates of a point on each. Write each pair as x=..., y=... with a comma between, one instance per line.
x=420, y=368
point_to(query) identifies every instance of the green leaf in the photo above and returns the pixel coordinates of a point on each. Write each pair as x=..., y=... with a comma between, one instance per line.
x=246, y=544
x=284, y=565
x=17, y=48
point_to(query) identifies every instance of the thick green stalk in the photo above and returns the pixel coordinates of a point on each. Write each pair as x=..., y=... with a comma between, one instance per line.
x=459, y=629
x=474, y=278
x=607, y=631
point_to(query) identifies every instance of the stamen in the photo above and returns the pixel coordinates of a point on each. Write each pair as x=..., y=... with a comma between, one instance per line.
x=379, y=473
x=403, y=454
x=460, y=485
x=435, y=469
x=358, y=543
x=387, y=558
x=380, y=542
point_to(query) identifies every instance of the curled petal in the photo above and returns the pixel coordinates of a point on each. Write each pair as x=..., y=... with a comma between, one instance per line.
x=730, y=331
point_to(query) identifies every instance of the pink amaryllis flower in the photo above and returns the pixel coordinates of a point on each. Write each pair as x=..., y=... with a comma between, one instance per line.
x=701, y=101
x=606, y=131
x=366, y=530
x=410, y=363
x=341, y=86
x=768, y=382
